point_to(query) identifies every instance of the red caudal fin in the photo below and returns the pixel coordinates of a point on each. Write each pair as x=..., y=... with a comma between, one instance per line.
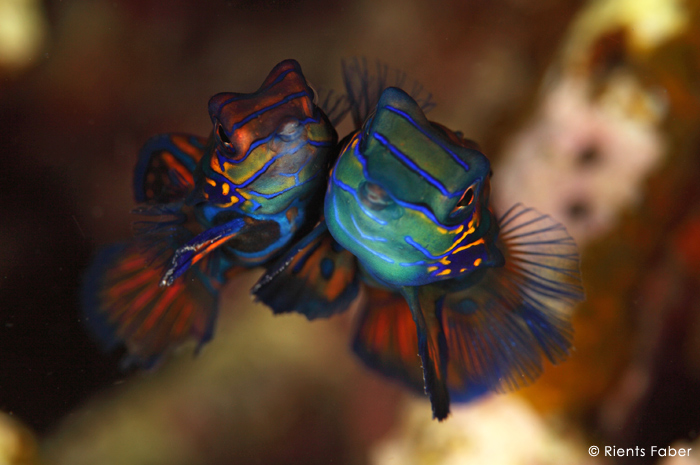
x=123, y=303
x=386, y=338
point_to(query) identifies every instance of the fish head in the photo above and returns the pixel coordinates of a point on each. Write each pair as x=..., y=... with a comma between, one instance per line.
x=410, y=198
x=267, y=148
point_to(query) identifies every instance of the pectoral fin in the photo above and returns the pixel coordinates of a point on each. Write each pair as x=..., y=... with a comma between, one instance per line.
x=164, y=171
x=498, y=330
x=198, y=247
x=315, y=277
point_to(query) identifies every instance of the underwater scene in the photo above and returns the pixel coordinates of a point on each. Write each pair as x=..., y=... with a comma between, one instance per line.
x=350, y=232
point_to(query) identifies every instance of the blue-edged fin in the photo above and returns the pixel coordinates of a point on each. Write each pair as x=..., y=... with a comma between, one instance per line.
x=123, y=303
x=498, y=330
x=171, y=240
x=316, y=278
x=197, y=248
x=386, y=338
x=364, y=85
x=164, y=171
x=426, y=307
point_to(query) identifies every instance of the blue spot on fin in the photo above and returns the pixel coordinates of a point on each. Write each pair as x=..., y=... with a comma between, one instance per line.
x=327, y=267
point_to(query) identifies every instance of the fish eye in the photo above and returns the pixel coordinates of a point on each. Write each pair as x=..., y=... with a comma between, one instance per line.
x=467, y=198
x=374, y=197
x=464, y=201
x=223, y=138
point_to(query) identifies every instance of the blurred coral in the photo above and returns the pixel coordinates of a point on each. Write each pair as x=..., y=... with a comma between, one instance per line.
x=596, y=134
x=17, y=444
x=690, y=459
x=593, y=154
x=23, y=31
x=611, y=150
x=264, y=386
x=497, y=430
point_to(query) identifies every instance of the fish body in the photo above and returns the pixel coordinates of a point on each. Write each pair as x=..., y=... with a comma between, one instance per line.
x=459, y=301
x=211, y=208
